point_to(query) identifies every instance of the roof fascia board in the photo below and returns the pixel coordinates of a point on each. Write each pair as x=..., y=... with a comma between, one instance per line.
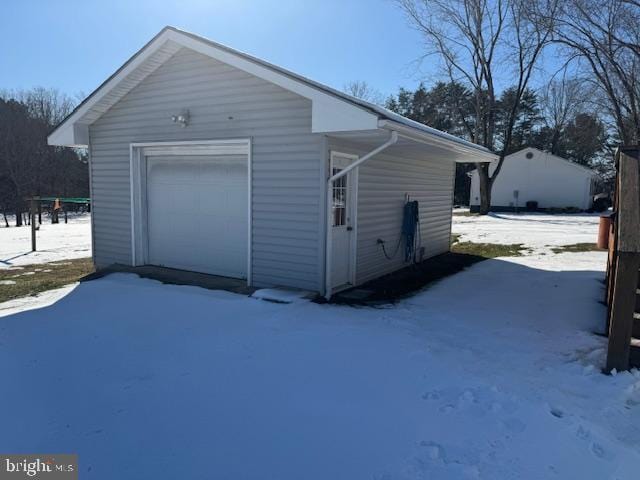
x=479, y=154
x=65, y=133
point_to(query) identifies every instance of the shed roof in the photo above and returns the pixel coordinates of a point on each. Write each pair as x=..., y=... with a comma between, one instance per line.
x=333, y=111
x=581, y=168
x=557, y=158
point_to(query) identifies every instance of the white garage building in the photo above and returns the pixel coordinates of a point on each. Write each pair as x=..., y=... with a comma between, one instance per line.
x=533, y=175
x=206, y=159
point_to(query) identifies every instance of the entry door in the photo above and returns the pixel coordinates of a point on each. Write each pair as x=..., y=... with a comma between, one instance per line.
x=343, y=222
x=197, y=213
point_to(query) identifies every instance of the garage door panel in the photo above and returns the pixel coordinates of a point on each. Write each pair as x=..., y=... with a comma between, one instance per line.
x=216, y=203
x=170, y=198
x=170, y=172
x=224, y=203
x=197, y=213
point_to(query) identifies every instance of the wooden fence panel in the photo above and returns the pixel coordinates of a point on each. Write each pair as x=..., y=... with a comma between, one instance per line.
x=622, y=309
x=623, y=264
x=628, y=213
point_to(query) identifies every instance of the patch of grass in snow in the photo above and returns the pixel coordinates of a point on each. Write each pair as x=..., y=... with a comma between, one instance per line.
x=487, y=250
x=576, y=247
x=33, y=279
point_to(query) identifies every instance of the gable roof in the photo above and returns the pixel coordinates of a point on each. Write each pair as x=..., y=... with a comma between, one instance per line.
x=582, y=168
x=332, y=111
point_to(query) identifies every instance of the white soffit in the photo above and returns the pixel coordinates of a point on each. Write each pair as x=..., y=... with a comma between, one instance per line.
x=73, y=131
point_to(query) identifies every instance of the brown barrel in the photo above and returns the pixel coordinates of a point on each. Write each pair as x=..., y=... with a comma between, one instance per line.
x=603, y=231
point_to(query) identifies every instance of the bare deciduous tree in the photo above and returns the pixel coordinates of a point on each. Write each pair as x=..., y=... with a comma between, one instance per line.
x=28, y=166
x=475, y=39
x=47, y=104
x=604, y=37
x=361, y=89
x=560, y=101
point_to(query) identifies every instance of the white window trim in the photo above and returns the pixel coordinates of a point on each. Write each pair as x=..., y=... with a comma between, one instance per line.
x=137, y=160
x=352, y=188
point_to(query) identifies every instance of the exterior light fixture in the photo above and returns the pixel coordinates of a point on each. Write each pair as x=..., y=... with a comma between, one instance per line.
x=181, y=119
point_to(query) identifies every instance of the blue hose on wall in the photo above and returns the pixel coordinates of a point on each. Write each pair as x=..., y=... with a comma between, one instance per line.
x=411, y=230
x=409, y=235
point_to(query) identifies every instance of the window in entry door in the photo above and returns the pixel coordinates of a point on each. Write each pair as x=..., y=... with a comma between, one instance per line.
x=339, y=199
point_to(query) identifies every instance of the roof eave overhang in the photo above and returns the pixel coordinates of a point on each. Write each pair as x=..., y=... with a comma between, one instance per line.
x=72, y=132
x=329, y=112
x=472, y=153
x=332, y=111
x=71, y=135
x=327, y=116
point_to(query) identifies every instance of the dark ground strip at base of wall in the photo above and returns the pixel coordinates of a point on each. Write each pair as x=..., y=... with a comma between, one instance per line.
x=407, y=281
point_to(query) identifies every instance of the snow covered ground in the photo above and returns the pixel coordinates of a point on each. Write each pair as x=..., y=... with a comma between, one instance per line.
x=32, y=302
x=54, y=242
x=538, y=231
x=493, y=373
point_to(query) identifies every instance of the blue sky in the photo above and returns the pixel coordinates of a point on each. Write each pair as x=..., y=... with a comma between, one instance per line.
x=74, y=45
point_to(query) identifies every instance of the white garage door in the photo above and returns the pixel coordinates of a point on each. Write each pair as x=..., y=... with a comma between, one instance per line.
x=197, y=213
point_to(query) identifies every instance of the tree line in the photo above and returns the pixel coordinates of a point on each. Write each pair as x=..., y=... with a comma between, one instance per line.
x=28, y=165
x=489, y=52
x=556, y=119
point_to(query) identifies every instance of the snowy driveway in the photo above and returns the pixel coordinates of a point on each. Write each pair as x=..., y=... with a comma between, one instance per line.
x=492, y=373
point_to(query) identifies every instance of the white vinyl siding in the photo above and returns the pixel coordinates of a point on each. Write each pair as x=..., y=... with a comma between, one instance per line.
x=551, y=181
x=383, y=183
x=223, y=102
